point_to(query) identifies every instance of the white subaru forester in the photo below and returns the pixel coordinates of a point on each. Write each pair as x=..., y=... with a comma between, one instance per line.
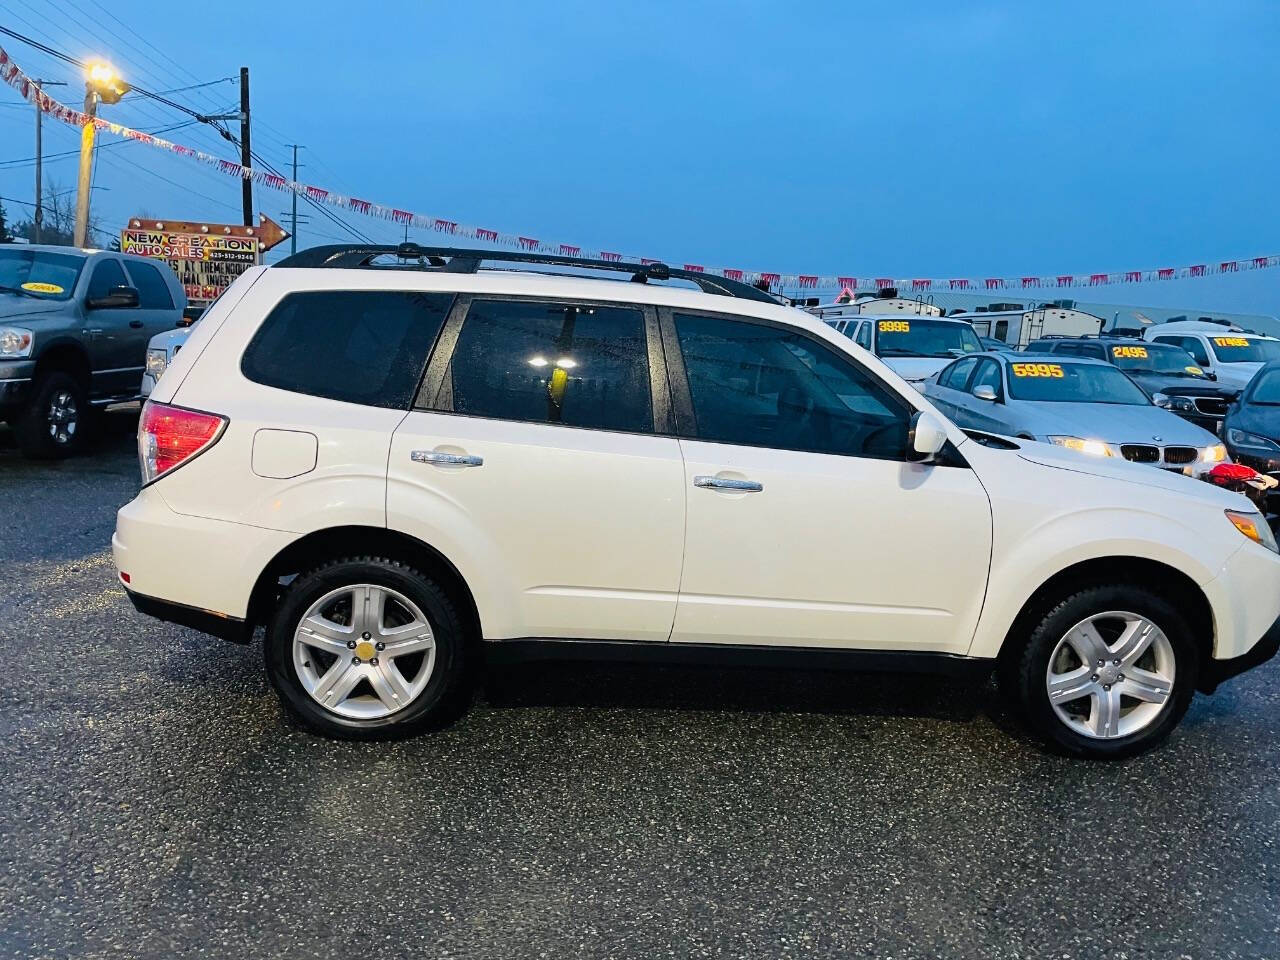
x=402, y=467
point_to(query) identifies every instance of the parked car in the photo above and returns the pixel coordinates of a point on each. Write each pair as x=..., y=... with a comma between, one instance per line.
x=1252, y=426
x=913, y=347
x=1231, y=355
x=1084, y=405
x=1167, y=374
x=161, y=349
x=401, y=473
x=74, y=326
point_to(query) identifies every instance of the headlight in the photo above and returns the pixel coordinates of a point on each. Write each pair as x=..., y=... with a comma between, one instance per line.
x=157, y=360
x=1095, y=448
x=1215, y=454
x=15, y=342
x=1253, y=526
x=1241, y=438
x=1179, y=404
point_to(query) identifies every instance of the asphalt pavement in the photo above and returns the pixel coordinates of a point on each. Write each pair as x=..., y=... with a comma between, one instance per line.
x=154, y=802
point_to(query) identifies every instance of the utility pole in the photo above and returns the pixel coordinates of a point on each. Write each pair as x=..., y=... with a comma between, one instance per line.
x=38, y=218
x=293, y=212
x=87, y=134
x=246, y=155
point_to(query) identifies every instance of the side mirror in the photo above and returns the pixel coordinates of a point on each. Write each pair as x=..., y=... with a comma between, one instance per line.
x=984, y=391
x=118, y=297
x=1211, y=375
x=926, y=438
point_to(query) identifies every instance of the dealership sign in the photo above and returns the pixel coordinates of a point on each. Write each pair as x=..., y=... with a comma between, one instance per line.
x=205, y=256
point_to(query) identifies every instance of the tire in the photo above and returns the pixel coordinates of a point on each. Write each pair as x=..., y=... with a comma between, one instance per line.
x=1091, y=717
x=364, y=694
x=53, y=424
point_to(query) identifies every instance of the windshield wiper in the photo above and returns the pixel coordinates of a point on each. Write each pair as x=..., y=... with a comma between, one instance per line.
x=899, y=352
x=4, y=288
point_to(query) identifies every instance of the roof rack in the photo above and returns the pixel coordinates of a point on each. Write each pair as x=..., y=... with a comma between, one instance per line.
x=460, y=260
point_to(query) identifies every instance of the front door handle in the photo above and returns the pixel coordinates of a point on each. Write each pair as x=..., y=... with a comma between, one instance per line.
x=725, y=483
x=136, y=324
x=453, y=459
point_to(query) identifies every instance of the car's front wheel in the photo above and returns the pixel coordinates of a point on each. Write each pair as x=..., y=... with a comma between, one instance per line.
x=368, y=648
x=53, y=424
x=1108, y=671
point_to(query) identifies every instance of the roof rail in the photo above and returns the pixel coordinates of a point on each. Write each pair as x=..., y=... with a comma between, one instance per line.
x=460, y=260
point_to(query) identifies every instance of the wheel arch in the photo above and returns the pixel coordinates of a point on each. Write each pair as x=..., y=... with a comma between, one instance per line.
x=1174, y=585
x=332, y=543
x=67, y=356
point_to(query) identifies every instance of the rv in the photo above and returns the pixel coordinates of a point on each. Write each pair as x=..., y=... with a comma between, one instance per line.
x=1018, y=327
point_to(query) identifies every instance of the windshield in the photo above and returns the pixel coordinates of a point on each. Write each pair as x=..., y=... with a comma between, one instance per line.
x=1073, y=383
x=1237, y=349
x=1265, y=388
x=919, y=337
x=39, y=273
x=1155, y=358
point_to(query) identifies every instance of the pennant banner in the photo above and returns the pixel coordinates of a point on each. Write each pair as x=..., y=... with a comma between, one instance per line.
x=13, y=75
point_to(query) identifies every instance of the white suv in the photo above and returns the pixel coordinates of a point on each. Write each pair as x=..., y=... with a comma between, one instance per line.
x=401, y=470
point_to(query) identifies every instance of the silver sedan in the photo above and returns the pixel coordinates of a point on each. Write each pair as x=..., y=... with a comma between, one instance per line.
x=1084, y=405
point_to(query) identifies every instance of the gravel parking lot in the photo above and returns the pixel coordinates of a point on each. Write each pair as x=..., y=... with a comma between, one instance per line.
x=153, y=802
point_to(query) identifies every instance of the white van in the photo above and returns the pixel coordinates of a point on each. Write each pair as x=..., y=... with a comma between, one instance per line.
x=915, y=348
x=1226, y=353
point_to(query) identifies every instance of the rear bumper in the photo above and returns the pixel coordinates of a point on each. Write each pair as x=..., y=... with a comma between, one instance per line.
x=187, y=569
x=206, y=621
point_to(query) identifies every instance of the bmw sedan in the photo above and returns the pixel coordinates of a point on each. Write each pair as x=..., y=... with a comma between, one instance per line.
x=1084, y=405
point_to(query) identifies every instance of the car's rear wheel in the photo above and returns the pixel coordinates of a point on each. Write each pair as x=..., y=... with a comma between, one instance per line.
x=1107, y=672
x=368, y=648
x=53, y=424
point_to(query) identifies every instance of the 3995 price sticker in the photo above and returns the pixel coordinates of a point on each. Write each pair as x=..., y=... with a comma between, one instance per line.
x=895, y=326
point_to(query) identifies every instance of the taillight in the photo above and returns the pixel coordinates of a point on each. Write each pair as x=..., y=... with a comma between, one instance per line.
x=170, y=436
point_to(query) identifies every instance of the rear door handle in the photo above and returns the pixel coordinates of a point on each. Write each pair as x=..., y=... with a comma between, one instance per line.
x=725, y=483
x=454, y=459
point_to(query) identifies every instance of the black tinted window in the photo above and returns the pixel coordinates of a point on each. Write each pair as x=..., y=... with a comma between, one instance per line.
x=576, y=365
x=769, y=387
x=106, y=274
x=366, y=346
x=153, y=292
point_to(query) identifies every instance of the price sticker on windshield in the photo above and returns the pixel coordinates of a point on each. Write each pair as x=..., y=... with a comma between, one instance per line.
x=1196, y=370
x=35, y=287
x=1131, y=353
x=895, y=326
x=1037, y=370
x=1231, y=341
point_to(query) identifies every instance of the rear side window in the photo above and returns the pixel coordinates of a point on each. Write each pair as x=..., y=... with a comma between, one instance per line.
x=571, y=364
x=359, y=346
x=153, y=292
x=106, y=274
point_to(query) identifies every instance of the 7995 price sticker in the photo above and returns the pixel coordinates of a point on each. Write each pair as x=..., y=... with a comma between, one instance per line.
x=1036, y=369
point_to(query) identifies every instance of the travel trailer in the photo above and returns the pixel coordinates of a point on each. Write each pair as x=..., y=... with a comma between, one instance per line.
x=1018, y=327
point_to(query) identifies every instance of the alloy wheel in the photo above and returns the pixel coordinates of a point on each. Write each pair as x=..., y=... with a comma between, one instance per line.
x=63, y=417
x=364, y=651
x=1111, y=675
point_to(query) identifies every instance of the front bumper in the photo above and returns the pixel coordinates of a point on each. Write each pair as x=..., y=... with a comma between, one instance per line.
x=1216, y=671
x=15, y=381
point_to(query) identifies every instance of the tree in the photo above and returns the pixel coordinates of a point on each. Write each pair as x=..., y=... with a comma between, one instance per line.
x=5, y=236
x=59, y=219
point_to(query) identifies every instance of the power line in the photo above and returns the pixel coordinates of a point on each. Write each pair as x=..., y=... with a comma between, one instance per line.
x=18, y=164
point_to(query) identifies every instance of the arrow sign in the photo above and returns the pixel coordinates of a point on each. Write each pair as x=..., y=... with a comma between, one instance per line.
x=270, y=233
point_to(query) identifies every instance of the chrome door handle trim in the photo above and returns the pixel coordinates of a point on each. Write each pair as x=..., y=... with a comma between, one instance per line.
x=724, y=483
x=455, y=459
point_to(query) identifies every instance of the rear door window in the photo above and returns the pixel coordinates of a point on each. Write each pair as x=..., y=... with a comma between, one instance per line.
x=359, y=346
x=572, y=364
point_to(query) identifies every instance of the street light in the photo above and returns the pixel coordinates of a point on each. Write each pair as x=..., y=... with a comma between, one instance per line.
x=102, y=84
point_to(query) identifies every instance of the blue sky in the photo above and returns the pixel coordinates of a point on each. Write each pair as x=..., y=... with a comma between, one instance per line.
x=927, y=139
